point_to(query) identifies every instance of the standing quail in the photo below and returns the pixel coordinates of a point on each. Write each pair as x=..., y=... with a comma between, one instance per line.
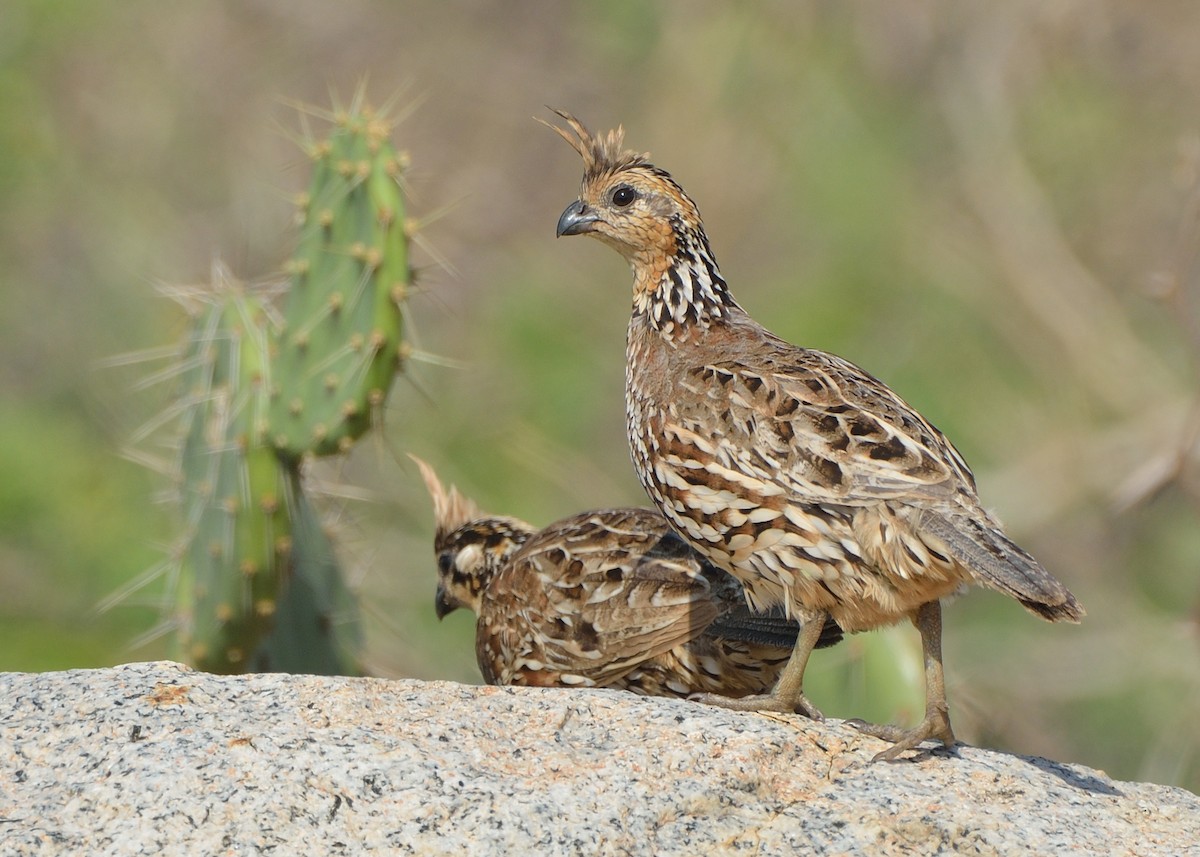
x=610, y=598
x=805, y=477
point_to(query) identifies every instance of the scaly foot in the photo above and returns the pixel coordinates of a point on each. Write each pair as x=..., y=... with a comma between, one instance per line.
x=798, y=704
x=936, y=725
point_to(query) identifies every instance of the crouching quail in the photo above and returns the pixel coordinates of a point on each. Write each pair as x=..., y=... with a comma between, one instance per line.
x=610, y=598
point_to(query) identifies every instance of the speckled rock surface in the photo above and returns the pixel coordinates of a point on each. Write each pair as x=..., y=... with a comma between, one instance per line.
x=157, y=759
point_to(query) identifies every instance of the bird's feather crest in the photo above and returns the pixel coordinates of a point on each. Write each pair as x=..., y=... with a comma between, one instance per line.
x=450, y=508
x=603, y=153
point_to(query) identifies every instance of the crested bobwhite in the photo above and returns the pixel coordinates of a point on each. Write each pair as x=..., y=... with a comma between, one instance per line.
x=808, y=479
x=610, y=598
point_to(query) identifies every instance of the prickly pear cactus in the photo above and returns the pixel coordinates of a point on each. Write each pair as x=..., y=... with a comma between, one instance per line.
x=340, y=345
x=259, y=584
x=266, y=388
x=237, y=543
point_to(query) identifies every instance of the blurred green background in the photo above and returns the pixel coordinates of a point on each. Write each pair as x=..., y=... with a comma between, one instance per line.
x=993, y=207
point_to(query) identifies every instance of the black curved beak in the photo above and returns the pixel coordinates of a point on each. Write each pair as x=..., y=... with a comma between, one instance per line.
x=576, y=219
x=440, y=605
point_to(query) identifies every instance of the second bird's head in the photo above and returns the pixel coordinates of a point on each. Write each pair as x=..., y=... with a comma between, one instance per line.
x=624, y=200
x=470, y=547
x=469, y=556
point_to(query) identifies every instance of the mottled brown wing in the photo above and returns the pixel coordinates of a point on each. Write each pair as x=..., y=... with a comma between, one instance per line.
x=587, y=600
x=735, y=621
x=805, y=426
x=818, y=428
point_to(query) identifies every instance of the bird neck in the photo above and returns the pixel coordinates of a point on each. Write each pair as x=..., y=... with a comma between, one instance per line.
x=502, y=537
x=683, y=291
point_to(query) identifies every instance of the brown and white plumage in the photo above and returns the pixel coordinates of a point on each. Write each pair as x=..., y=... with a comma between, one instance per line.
x=610, y=598
x=798, y=472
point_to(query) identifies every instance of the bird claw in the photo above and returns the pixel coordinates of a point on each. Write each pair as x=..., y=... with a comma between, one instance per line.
x=803, y=706
x=936, y=726
x=761, y=702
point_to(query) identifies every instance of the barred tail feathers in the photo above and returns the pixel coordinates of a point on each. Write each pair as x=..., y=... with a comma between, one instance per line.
x=1000, y=564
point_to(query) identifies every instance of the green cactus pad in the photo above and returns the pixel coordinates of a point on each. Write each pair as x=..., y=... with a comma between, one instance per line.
x=238, y=537
x=339, y=348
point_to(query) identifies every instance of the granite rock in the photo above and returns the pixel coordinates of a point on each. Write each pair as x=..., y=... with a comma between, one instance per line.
x=153, y=758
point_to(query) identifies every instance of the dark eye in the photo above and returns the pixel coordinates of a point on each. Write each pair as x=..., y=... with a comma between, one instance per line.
x=444, y=560
x=624, y=196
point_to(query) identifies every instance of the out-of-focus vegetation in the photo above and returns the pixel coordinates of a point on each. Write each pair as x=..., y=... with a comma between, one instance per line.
x=993, y=207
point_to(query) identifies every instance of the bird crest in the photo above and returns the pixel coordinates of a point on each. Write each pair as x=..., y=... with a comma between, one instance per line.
x=450, y=508
x=602, y=153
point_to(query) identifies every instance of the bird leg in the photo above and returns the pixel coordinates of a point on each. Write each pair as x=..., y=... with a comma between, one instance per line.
x=788, y=694
x=928, y=619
